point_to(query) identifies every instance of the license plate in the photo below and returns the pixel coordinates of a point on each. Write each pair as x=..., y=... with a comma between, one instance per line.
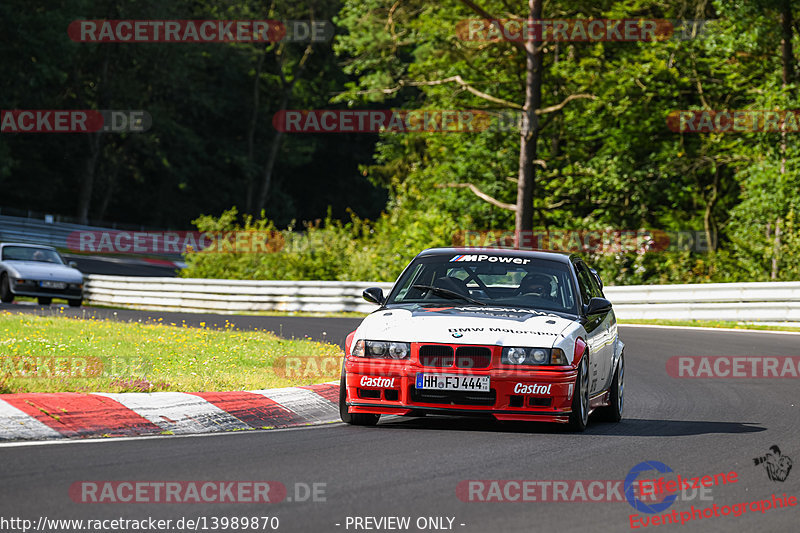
x=53, y=285
x=453, y=382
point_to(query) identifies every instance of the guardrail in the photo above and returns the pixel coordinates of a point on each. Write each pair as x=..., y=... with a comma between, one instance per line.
x=749, y=302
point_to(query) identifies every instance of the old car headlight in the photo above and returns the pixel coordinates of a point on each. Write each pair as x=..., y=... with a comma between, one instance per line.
x=399, y=350
x=381, y=349
x=515, y=355
x=538, y=356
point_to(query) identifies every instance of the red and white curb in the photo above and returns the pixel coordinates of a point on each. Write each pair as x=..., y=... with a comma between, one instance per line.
x=46, y=416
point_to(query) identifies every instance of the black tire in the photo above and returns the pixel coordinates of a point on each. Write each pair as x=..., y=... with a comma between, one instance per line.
x=75, y=303
x=6, y=296
x=579, y=417
x=354, y=419
x=44, y=300
x=613, y=413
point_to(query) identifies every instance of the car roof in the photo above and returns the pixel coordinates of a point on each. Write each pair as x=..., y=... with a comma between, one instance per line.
x=26, y=245
x=531, y=254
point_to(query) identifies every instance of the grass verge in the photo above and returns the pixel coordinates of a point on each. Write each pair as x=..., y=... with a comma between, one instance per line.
x=61, y=354
x=710, y=324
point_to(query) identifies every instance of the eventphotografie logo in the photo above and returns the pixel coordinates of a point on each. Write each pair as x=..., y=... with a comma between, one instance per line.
x=776, y=464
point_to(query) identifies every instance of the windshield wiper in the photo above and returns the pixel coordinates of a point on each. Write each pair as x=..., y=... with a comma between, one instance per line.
x=447, y=293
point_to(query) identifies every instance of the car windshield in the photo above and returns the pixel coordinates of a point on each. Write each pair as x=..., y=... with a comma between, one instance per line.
x=27, y=253
x=483, y=279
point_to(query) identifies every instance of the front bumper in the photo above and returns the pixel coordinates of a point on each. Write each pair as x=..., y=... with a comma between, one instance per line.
x=35, y=290
x=389, y=387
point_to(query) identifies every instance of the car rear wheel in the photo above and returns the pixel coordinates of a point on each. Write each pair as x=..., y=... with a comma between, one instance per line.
x=613, y=413
x=6, y=296
x=579, y=417
x=355, y=419
x=75, y=303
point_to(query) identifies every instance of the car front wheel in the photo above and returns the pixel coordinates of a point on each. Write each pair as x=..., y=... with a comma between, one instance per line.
x=613, y=413
x=6, y=296
x=44, y=300
x=75, y=303
x=355, y=419
x=579, y=417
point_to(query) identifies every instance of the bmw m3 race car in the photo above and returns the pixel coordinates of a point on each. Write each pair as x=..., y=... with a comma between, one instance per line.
x=512, y=334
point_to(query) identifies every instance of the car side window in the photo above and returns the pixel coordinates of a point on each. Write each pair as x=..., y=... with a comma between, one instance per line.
x=584, y=283
x=596, y=291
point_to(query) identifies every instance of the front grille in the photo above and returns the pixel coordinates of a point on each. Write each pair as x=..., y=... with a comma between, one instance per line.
x=473, y=357
x=436, y=356
x=452, y=397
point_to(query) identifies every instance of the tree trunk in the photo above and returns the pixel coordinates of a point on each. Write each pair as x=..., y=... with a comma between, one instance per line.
x=776, y=250
x=251, y=132
x=786, y=43
x=89, y=170
x=269, y=165
x=787, y=61
x=530, y=128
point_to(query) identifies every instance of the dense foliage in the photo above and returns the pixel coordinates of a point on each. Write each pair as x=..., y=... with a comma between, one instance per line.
x=607, y=159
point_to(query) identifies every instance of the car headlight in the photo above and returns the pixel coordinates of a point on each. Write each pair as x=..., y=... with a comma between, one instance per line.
x=514, y=355
x=76, y=285
x=381, y=349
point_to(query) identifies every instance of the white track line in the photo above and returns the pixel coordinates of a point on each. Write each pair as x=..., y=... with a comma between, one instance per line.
x=15, y=424
x=20, y=443
x=738, y=330
x=178, y=412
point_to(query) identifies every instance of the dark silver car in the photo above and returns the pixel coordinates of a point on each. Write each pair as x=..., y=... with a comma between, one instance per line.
x=39, y=272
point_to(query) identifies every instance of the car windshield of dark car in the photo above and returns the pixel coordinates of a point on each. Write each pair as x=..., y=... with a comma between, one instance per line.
x=497, y=280
x=25, y=253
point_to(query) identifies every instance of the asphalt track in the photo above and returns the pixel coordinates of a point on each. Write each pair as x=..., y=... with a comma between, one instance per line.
x=411, y=467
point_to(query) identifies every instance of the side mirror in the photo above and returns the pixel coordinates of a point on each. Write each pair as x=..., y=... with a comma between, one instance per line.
x=72, y=264
x=597, y=277
x=374, y=295
x=598, y=306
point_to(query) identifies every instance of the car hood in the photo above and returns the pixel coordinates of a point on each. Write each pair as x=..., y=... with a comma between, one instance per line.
x=465, y=325
x=46, y=271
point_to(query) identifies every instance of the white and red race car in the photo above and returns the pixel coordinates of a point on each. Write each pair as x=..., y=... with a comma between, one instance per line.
x=512, y=334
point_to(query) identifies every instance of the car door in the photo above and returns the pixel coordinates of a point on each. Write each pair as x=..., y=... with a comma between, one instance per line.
x=595, y=333
x=609, y=334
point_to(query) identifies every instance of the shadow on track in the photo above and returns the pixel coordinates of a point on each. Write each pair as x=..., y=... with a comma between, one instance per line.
x=628, y=427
